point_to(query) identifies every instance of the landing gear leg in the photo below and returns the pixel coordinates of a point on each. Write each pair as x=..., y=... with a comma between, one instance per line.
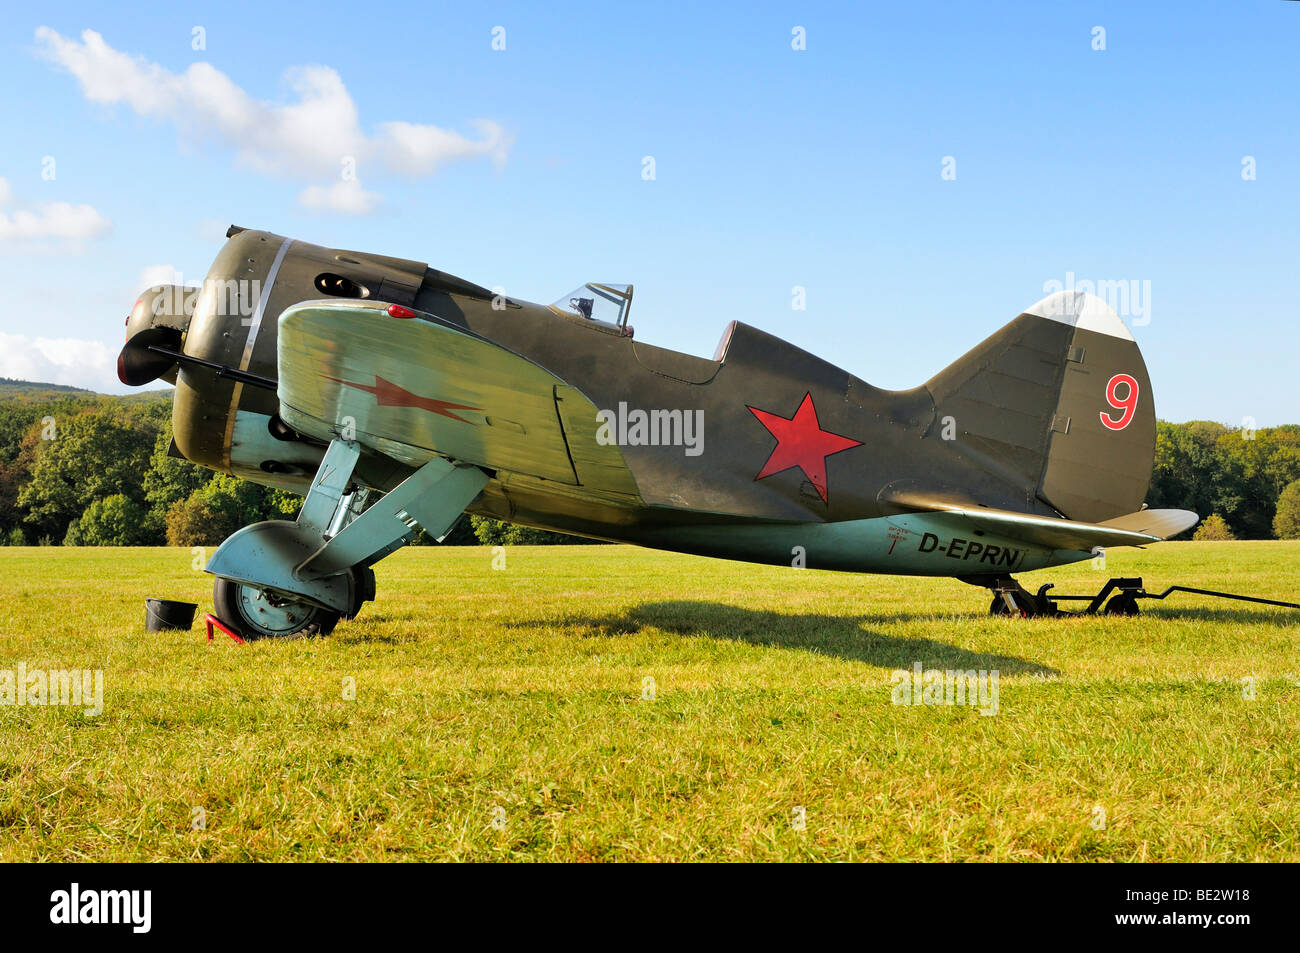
x=280, y=579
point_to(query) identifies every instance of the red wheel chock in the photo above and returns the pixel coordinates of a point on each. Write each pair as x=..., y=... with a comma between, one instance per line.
x=212, y=622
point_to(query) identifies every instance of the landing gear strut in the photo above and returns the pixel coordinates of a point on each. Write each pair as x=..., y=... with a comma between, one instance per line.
x=282, y=579
x=1010, y=598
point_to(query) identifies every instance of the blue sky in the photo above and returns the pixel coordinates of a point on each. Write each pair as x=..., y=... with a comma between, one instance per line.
x=774, y=168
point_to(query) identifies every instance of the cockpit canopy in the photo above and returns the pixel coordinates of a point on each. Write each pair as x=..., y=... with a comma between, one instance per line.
x=600, y=302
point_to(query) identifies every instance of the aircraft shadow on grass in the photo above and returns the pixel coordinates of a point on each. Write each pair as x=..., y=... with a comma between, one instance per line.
x=844, y=637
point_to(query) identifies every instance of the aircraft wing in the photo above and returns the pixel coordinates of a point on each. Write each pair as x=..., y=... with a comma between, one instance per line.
x=412, y=386
x=1134, y=529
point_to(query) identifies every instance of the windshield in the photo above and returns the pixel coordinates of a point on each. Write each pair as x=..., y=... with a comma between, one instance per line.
x=598, y=301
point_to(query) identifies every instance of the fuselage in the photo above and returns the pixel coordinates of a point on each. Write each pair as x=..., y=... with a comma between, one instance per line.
x=764, y=452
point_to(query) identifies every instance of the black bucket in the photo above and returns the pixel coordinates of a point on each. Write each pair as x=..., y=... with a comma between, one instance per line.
x=163, y=614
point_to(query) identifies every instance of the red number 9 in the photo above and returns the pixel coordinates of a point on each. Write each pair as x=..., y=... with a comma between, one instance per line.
x=1128, y=405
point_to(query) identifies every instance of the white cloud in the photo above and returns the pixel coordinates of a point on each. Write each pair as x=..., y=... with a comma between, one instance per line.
x=317, y=137
x=347, y=197
x=72, y=361
x=418, y=150
x=153, y=275
x=55, y=220
x=49, y=220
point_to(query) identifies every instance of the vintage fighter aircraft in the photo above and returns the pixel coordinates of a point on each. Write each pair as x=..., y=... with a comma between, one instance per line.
x=395, y=396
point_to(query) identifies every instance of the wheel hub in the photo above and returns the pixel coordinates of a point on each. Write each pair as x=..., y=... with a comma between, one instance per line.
x=274, y=615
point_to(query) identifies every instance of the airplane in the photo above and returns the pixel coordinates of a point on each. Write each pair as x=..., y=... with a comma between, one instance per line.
x=395, y=397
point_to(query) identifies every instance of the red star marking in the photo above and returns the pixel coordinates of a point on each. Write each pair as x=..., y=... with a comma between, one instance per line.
x=389, y=394
x=801, y=442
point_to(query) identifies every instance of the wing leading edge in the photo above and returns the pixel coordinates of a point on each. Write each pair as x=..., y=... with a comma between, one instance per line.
x=412, y=387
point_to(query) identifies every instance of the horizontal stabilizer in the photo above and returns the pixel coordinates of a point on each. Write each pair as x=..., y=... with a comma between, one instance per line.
x=1134, y=529
x=1161, y=523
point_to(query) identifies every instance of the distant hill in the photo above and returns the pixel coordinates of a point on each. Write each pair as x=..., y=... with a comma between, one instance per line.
x=35, y=391
x=12, y=388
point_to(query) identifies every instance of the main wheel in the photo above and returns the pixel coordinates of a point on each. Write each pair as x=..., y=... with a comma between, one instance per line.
x=258, y=614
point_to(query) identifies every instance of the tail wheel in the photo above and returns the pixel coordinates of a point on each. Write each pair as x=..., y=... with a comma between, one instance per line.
x=258, y=614
x=1122, y=604
x=1027, y=605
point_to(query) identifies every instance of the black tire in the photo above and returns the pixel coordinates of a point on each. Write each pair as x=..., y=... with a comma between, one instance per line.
x=1027, y=605
x=363, y=589
x=1122, y=604
x=254, y=614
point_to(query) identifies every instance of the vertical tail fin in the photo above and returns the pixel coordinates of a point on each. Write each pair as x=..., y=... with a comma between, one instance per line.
x=1059, y=403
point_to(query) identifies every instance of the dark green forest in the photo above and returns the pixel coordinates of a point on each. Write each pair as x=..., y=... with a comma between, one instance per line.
x=85, y=469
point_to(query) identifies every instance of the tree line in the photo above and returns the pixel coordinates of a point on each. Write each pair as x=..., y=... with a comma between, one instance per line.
x=1245, y=482
x=85, y=469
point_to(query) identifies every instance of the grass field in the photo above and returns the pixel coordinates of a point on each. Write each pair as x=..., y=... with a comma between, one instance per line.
x=499, y=714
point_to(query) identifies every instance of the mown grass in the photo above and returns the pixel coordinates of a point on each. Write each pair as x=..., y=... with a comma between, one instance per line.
x=499, y=714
